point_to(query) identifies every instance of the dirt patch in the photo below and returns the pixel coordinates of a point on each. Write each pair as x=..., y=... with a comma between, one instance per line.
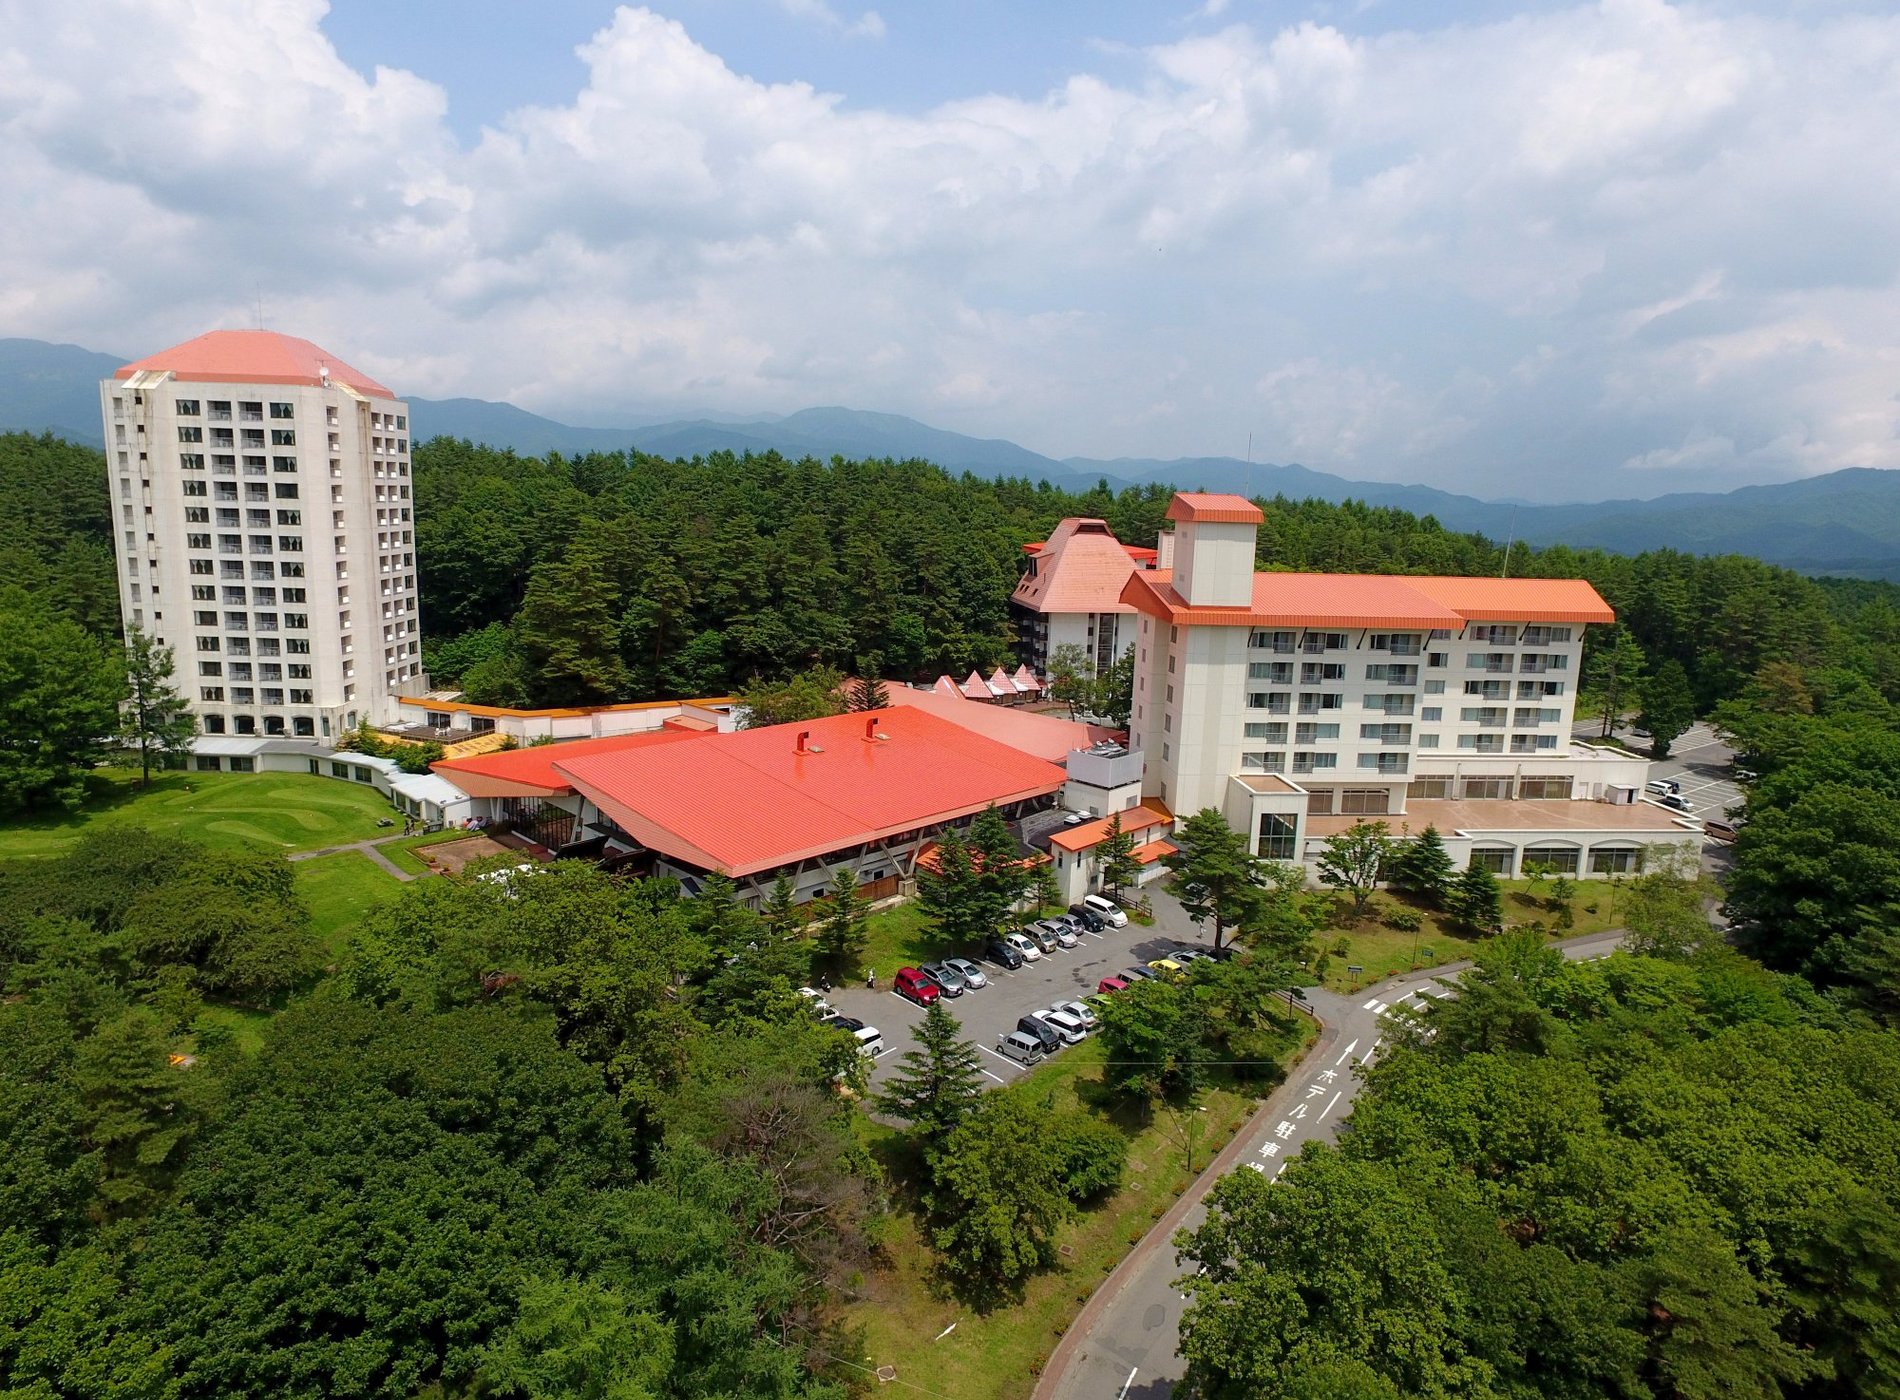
x=450, y=856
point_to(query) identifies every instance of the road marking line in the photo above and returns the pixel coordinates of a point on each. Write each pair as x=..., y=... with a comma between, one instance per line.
x=1329, y=1107
x=1347, y=1051
x=997, y=1077
x=1369, y=1005
x=1125, y=1384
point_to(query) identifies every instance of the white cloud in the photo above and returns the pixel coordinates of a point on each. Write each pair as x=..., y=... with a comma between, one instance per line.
x=1502, y=257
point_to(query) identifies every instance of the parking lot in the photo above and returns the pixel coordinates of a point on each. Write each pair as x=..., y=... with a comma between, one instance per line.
x=1701, y=763
x=987, y=1012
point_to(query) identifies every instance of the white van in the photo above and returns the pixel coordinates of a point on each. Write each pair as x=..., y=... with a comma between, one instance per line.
x=1107, y=908
x=870, y=1041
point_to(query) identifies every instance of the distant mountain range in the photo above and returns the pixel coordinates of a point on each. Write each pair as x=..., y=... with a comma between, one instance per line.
x=1846, y=522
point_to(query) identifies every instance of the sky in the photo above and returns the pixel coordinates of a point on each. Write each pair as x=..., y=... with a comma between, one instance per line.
x=1534, y=251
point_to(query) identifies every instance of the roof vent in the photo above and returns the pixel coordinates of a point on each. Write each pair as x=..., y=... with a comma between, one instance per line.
x=804, y=743
x=871, y=734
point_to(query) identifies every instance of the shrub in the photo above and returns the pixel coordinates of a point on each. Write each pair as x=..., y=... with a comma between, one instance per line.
x=1404, y=920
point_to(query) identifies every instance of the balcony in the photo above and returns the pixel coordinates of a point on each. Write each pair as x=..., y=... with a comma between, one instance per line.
x=1384, y=762
x=1541, y=665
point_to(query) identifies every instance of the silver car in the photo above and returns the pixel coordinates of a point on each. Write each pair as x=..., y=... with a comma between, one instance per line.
x=972, y=975
x=949, y=981
x=1019, y=1046
x=1062, y=930
x=1078, y=1010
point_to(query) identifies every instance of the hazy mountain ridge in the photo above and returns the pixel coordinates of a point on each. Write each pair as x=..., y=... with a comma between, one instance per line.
x=1843, y=522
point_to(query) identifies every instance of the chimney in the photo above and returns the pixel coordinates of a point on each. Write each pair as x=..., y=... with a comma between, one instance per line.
x=803, y=735
x=870, y=729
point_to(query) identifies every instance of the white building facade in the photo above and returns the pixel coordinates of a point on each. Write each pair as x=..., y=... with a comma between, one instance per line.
x=1279, y=697
x=1070, y=595
x=265, y=531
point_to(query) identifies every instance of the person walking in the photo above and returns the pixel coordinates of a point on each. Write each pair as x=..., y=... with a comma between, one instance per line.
x=870, y=978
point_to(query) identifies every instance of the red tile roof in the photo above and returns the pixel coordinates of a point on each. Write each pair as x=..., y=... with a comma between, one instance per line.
x=1080, y=568
x=1376, y=600
x=531, y=772
x=1144, y=816
x=749, y=801
x=1201, y=506
x=1154, y=851
x=253, y=357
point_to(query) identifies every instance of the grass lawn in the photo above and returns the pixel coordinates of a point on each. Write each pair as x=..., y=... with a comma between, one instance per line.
x=247, y=1027
x=338, y=889
x=284, y=811
x=901, y=1307
x=903, y=936
x=1383, y=951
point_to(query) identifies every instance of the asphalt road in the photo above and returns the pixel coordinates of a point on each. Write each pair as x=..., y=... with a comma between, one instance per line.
x=1126, y=1338
x=986, y=1013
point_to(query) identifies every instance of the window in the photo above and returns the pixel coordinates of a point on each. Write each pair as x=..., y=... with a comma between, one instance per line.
x=283, y=437
x=1434, y=687
x=1564, y=860
x=285, y=490
x=190, y=432
x=296, y=646
x=1312, y=673
x=1313, y=733
x=1539, y=789
x=1482, y=743
x=1280, y=671
x=1276, y=839
x=1274, y=702
x=1437, y=660
x=201, y=566
x=300, y=697
x=1484, y=789
x=1386, y=733
x=1496, y=859
x=298, y=622
x=1272, y=641
x=197, y=541
x=1492, y=716
x=194, y=488
x=302, y=727
x=1488, y=690
x=208, y=644
x=1311, y=702
x=212, y=693
x=1431, y=714
x=1613, y=860
x=1428, y=741
x=1324, y=641
x=1488, y=661
x=197, y=515
x=1272, y=733
x=1393, y=675
x=185, y=408
x=1430, y=786
x=283, y=410
x=290, y=544
x=200, y=592
x=1256, y=762
x=1312, y=762
x=1365, y=801
x=1384, y=762
x=289, y=517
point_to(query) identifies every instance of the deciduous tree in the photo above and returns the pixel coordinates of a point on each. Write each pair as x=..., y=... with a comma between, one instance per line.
x=1668, y=706
x=60, y=691
x=1355, y=860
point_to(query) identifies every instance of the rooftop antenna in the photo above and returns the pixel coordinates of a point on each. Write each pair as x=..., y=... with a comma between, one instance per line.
x=1509, y=540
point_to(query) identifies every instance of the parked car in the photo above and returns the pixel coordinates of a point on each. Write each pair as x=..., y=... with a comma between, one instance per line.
x=1003, y=953
x=1020, y=1046
x=1027, y=946
x=1136, y=973
x=1090, y=920
x=842, y=1023
x=1034, y=1025
x=815, y=1002
x=1043, y=938
x=949, y=981
x=1070, y=1028
x=1721, y=831
x=973, y=977
x=1677, y=804
x=1185, y=953
x=1107, y=908
x=870, y=1041
x=1168, y=968
x=1664, y=787
x=1060, y=930
x=1081, y=1010
x=913, y=985
x=1097, y=1003
x=1224, y=953
x=1108, y=986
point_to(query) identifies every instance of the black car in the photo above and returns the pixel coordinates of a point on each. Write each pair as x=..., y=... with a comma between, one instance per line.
x=843, y=1023
x=1051, y=1039
x=1000, y=953
x=1087, y=917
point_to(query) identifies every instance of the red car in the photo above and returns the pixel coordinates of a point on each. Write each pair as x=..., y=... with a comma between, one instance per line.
x=911, y=983
x=1109, y=985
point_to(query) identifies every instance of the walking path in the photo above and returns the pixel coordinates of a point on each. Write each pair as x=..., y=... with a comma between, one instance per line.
x=1122, y=1346
x=368, y=848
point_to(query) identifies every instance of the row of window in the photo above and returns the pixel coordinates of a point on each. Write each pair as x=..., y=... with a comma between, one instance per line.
x=1529, y=663
x=219, y=410
x=245, y=695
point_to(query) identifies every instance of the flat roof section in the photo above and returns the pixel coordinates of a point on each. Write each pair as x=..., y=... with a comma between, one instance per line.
x=1402, y=601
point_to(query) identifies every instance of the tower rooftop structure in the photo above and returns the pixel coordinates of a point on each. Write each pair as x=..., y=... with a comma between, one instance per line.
x=253, y=357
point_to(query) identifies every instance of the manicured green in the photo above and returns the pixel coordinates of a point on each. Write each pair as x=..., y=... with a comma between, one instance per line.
x=338, y=890
x=281, y=811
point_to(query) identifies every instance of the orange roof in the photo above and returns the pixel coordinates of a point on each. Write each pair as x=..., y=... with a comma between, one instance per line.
x=1080, y=568
x=1202, y=507
x=1518, y=599
x=1154, y=851
x=253, y=357
x=1152, y=812
x=749, y=800
x=1048, y=737
x=1377, y=600
x=531, y=772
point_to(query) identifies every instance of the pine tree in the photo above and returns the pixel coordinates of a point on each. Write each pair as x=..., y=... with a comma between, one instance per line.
x=841, y=932
x=1423, y=866
x=1477, y=901
x=1046, y=890
x=1003, y=876
x=1668, y=706
x=155, y=720
x=950, y=894
x=868, y=691
x=569, y=633
x=1615, y=673
x=939, y=1082
x=781, y=906
x=1216, y=877
x=1116, y=857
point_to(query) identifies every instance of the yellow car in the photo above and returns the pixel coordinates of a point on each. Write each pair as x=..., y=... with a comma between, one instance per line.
x=1168, y=967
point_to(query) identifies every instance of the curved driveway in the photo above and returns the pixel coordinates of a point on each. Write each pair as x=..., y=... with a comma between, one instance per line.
x=1123, y=1343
